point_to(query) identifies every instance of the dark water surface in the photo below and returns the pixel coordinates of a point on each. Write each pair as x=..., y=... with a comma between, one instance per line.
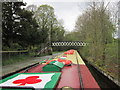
x=102, y=80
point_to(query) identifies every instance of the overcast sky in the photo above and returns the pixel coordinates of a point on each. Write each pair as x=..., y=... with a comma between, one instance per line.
x=67, y=10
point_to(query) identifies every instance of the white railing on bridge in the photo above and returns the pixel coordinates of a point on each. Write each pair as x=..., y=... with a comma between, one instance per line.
x=68, y=43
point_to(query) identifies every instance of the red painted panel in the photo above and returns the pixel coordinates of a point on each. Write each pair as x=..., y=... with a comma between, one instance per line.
x=69, y=77
x=88, y=79
x=36, y=69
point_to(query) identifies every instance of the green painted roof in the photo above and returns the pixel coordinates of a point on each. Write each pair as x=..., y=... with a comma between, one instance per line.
x=53, y=66
x=59, y=64
x=52, y=62
x=43, y=62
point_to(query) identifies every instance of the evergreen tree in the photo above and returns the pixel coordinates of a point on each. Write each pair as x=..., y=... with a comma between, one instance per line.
x=9, y=22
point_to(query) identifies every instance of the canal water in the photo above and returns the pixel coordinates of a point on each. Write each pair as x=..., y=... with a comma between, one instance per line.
x=102, y=80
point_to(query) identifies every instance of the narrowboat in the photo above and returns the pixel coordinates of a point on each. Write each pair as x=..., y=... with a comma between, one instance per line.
x=64, y=72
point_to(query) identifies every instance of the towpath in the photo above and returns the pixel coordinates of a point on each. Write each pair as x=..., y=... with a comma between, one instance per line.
x=13, y=67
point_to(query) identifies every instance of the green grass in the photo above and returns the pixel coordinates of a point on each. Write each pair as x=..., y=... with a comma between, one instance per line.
x=15, y=59
x=19, y=58
x=110, y=65
x=58, y=52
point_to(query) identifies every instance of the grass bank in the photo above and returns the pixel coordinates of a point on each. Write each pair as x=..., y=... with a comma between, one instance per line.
x=110, y=65
x=15, y=59
x=23, y=57
x=58, y=52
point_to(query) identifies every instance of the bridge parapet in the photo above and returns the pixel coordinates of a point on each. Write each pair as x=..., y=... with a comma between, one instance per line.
x=68, y=43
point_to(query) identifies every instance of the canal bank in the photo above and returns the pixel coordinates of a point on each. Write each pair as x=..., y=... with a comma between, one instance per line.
x=103, y=80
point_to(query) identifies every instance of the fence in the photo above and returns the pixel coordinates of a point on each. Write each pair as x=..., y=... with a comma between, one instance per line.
x=9, y=54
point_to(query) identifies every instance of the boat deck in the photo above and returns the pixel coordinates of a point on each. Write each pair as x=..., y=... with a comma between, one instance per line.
x=70, y=76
